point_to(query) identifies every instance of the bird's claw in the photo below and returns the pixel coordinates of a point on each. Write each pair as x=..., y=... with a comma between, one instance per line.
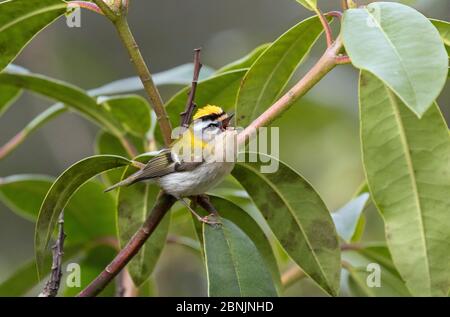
x=210, y=220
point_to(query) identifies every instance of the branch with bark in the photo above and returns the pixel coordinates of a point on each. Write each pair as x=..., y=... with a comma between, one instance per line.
x=52, y=286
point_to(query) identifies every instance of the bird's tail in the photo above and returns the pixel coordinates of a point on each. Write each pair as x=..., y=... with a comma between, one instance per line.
x=126, y=182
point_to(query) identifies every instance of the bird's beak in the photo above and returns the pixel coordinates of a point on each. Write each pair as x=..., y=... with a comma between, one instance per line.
x=226, y=121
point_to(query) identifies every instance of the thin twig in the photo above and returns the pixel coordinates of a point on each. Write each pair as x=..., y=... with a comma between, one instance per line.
x=52, y=286
x=186, y=115
x=344, y=5
x=107, y=11
x=162, y=206
x=129, y=147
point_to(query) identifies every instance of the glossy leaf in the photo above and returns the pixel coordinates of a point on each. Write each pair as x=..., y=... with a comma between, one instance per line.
x=346, y=218
x=250, y=227
x=401, y=47
x=91, y=265
x=407, y=163
x=90, y=214
x=133, y=206
x=32, y=126
x=60, y=193
x=270, y=73
x=298, y=217
x=443, y=28
x=179, y=75
x=246, y=61
x=132, y=111
x=233, y=264
x=8, y=95
x=71, y=96
x=21, y=20
x=25, y=278
x=309, y=4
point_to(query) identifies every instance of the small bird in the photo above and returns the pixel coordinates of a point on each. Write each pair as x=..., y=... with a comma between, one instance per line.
x=192, y=164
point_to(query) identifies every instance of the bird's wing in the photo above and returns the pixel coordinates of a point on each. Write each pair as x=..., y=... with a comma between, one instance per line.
x=163, y=164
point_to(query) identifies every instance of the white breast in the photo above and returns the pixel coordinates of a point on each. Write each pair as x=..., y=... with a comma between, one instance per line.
x=197, y=181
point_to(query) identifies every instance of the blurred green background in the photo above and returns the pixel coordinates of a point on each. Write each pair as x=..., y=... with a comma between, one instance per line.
x=319, y=135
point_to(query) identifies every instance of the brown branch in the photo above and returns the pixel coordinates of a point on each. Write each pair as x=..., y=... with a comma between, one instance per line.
x=52, y=286
x=162, y=206
x=186, y=115
x=344, y=5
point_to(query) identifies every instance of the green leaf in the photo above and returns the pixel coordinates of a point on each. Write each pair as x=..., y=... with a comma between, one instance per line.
x=61, y=192
x=250, y=227
x=24, y=195
x=132, y=111
x=391, y=283
x=8, y=95
x=21, y=20
x=298, y=217
x=346, y=218
x=309, y=4
x=25, y=278
x=179, y=75
x=270, y=73
x=401, y=47
x=133, y=206
x=234, y=266
x=71, y=96
x=443, y=28
x=91, y=265
x=407, y=163
x=246, y=61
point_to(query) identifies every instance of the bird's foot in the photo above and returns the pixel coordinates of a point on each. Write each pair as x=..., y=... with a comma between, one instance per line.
x=211, y=220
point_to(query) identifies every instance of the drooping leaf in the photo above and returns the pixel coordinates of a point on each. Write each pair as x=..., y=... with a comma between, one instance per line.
x=179, y=75
x=309, y=4
x=25, y=278
x=71, y=96
x=246, y=61
x=132, y=111
x=134, y=203
x=407, y=163
x=61, y=192
x=270, y=73
x=91, y=265
x=250, y=227
x=443, y=28
x=32, y=126
x=410, y=57
x=233, y=264
x=21, y=20
x=360, y=273
x=89, y=213
x=347, y=217
x=8, y=95
x=108, y=144
x=298, y=217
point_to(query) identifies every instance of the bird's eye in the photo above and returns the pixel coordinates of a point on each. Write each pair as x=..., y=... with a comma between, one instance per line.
x=213, y=125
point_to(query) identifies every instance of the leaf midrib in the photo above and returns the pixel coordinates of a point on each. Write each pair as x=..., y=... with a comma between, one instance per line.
x=410, y=166
x=394, y=48
x=295, y=218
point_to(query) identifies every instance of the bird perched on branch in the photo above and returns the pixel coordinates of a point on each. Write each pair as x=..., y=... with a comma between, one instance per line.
x=197, y=161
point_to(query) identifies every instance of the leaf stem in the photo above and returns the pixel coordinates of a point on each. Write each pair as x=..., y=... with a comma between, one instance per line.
x=162, y=206
x=107, y=11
